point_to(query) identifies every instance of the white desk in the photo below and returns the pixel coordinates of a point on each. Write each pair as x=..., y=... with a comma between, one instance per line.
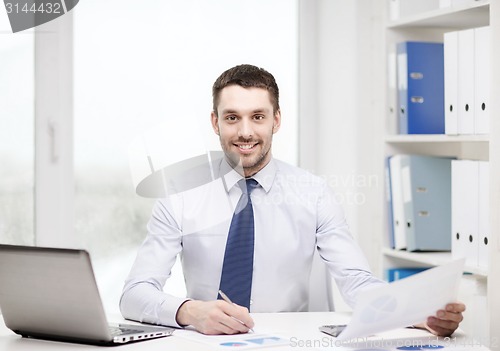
x=300, y=328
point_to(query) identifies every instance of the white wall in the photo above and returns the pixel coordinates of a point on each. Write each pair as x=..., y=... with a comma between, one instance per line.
x=341, y=108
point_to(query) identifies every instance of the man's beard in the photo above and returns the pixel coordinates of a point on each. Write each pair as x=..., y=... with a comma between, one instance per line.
x=238, y=162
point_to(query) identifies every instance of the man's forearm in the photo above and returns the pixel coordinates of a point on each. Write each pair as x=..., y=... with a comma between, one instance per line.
x=145, y=303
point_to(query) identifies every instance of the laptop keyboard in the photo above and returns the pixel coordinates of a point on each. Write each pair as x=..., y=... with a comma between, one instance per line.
x=115, y=331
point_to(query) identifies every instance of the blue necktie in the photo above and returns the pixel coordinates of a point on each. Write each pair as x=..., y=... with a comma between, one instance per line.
x=237, y=269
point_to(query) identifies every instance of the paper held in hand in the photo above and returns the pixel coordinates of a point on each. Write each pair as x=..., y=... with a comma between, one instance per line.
x=404, y=302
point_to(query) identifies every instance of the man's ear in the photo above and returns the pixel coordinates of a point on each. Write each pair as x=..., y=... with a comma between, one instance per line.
x=215, y=122
x=277, y=121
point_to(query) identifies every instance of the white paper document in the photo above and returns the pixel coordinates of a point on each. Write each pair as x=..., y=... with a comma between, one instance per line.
x=238, y=341
x=404, y=302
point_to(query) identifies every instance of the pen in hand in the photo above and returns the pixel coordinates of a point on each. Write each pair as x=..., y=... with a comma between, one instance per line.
x=228, y=300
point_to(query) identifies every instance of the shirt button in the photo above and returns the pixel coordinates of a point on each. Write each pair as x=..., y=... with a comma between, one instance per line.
x=251, y=301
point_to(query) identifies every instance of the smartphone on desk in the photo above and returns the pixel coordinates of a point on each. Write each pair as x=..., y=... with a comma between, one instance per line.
x=333, y=330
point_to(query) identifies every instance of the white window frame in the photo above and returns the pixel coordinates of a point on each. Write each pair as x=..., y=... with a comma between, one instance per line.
x=54, y=176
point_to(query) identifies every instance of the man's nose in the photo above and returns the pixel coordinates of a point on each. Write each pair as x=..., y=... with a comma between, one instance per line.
x=246, y=129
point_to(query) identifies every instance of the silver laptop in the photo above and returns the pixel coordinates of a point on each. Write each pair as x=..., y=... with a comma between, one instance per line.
x=52, y=294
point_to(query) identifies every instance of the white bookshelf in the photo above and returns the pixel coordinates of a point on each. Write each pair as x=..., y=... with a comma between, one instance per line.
x=428, y=259
x=471, y=147
x=436, y=138
x=480, y=322
x=474, y=14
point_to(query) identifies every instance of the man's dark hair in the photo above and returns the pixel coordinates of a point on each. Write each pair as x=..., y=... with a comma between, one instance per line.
x=247, y=76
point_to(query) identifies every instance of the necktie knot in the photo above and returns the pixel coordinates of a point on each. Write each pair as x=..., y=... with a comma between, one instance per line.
x=248, y=185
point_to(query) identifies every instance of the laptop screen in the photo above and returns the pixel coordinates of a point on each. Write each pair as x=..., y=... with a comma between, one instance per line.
x=50, y=291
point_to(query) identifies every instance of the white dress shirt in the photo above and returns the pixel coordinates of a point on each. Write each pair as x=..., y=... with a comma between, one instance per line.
x=295, y=212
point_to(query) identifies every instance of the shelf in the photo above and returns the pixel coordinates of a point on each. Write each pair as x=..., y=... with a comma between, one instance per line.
x=478, y=283
x=431, y=259
x=468, y=16
x=472, y=147
x=435, y=138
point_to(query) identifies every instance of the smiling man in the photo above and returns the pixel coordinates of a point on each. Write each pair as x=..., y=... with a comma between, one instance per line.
x=245, y=120
x=252, y=234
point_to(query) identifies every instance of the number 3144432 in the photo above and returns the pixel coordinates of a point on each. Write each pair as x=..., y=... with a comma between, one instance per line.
x=44, y=7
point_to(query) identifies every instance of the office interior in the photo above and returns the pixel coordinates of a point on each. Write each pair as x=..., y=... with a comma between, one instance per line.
x=80, y=91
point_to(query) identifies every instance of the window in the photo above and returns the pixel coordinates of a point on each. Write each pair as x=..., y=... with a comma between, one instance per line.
x=147, y=65
x=16, y=135
x=137, y=68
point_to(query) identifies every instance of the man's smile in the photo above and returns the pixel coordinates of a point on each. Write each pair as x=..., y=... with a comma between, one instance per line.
x=246, y=147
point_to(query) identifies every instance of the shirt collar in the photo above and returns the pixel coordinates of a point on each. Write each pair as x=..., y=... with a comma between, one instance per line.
x=265, y=177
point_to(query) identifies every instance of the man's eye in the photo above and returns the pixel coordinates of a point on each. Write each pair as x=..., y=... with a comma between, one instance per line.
x=231, y=118
x=258, y=117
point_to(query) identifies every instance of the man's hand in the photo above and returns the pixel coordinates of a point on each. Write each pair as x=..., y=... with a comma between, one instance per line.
x=446, y=321
x=215, y=317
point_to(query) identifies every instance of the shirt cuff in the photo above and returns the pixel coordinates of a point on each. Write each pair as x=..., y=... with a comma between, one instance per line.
x=169, y=309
